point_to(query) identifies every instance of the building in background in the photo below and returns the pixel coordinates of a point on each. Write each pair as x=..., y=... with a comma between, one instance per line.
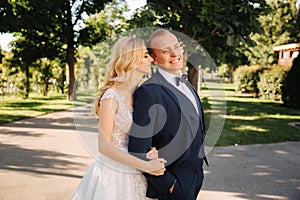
x=287, y=53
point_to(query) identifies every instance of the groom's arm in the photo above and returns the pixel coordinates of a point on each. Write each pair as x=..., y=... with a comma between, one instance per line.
x=143, y=128
x=141, y=133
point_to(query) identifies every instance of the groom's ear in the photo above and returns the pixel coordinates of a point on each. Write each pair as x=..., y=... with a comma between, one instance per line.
x=154, y=58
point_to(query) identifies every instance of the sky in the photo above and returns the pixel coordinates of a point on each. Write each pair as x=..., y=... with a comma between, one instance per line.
x=6, y=38
x=133, y=4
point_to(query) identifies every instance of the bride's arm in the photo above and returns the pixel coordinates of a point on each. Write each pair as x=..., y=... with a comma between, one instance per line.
x=107, y=110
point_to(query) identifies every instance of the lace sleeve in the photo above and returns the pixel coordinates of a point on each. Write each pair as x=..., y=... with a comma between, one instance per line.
x=108, y=94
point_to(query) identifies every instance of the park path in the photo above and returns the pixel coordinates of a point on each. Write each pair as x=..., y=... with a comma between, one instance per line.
x=43, y=158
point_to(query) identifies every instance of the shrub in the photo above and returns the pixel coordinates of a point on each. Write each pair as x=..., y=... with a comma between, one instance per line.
x=246, y=78
x=291, y=87
x=271, y=81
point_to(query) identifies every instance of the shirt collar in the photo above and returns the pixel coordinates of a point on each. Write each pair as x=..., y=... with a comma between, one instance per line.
x=168, y=76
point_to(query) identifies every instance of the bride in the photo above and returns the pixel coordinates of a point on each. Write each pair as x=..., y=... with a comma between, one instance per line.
x=115, y=174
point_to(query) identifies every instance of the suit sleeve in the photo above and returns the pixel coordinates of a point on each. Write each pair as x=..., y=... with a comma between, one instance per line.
x=140, y=137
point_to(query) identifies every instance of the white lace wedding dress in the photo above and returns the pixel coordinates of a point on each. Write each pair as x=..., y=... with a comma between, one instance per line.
x=107, y=179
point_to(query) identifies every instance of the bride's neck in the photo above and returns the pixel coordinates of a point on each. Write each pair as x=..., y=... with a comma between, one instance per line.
x=129, y=85
x=130, y=88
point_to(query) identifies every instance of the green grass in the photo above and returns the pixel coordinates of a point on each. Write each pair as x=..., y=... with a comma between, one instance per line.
x=248, y=120
x=15, y=108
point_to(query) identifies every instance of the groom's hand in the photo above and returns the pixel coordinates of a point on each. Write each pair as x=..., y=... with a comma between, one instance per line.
x=152, y=154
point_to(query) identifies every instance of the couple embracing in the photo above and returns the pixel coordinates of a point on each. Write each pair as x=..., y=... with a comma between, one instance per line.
x=151, y=137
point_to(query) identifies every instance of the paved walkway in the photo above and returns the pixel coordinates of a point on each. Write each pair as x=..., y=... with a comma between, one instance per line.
x=43, y=158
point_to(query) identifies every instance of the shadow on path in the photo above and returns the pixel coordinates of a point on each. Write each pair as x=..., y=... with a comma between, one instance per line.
x=37, y=161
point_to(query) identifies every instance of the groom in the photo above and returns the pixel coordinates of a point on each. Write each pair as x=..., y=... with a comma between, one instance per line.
x=168, y=115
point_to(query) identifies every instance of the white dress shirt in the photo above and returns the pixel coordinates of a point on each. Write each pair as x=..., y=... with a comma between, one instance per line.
x=182, y=87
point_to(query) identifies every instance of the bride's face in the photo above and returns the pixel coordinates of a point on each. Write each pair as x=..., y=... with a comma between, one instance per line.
x=145, y=63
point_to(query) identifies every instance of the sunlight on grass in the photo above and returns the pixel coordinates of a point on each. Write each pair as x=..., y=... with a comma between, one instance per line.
x=249, y=128
x=239, y=117
x=15, y=108
x=281, y=116
x=250, y=120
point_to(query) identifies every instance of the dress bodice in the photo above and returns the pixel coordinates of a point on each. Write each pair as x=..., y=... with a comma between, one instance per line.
x=108, y=179
x=122, y=119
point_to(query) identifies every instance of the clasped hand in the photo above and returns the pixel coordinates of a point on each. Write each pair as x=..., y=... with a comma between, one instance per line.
x=156, y=165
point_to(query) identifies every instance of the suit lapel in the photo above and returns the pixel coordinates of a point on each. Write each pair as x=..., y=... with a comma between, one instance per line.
x=171, y=90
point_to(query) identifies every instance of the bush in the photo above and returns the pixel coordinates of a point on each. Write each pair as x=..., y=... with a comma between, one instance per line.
x=246, y=78
x=271, y=81
x=291, y=87
x=224, y=71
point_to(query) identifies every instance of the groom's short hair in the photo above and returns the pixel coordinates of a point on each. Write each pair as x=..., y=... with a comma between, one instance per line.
x=157, y=33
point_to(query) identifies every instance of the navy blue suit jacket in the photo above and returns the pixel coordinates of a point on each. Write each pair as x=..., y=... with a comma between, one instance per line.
x=164, y=118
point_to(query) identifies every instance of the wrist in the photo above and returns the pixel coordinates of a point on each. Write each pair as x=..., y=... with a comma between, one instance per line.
x=146, y=166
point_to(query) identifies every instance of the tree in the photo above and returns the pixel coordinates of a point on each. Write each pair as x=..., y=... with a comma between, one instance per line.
x=92, y=61
x=281, y=25
x=29, y=48
x=57, y=22
x=219, y=27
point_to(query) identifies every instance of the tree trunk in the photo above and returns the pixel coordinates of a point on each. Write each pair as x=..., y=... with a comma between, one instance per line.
x=193, y=76
x=27, y=82
x=71, y=95
x=46, y=80
x=88, y=67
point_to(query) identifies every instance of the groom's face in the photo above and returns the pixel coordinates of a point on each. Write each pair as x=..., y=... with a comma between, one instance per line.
x=167, y=52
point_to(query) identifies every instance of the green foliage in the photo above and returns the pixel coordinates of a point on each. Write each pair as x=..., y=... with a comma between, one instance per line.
x=104, y=24
x=271, y=81
x=246, y=78
x=93, y=59
x=248, y=120
x=14, y=80
x=265, y=82
x=224, y=71
x=91, y=66
x=48, y=28
x=221, y=28
x=46, y=76
x=20, y=85
x=281, y=25
x=291, y=88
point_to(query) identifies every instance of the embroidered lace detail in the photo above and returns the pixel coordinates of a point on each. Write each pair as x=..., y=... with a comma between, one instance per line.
x=123, y=119
x=107, y=179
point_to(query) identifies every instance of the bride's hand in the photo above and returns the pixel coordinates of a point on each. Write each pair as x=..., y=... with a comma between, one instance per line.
x=158, y=172
x=152, y=154
x=156, y=167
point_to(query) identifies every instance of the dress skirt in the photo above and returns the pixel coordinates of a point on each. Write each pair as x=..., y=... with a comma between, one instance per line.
x=107, y=179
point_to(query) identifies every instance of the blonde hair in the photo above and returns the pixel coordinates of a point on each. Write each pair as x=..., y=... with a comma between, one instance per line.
x=125, y=56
